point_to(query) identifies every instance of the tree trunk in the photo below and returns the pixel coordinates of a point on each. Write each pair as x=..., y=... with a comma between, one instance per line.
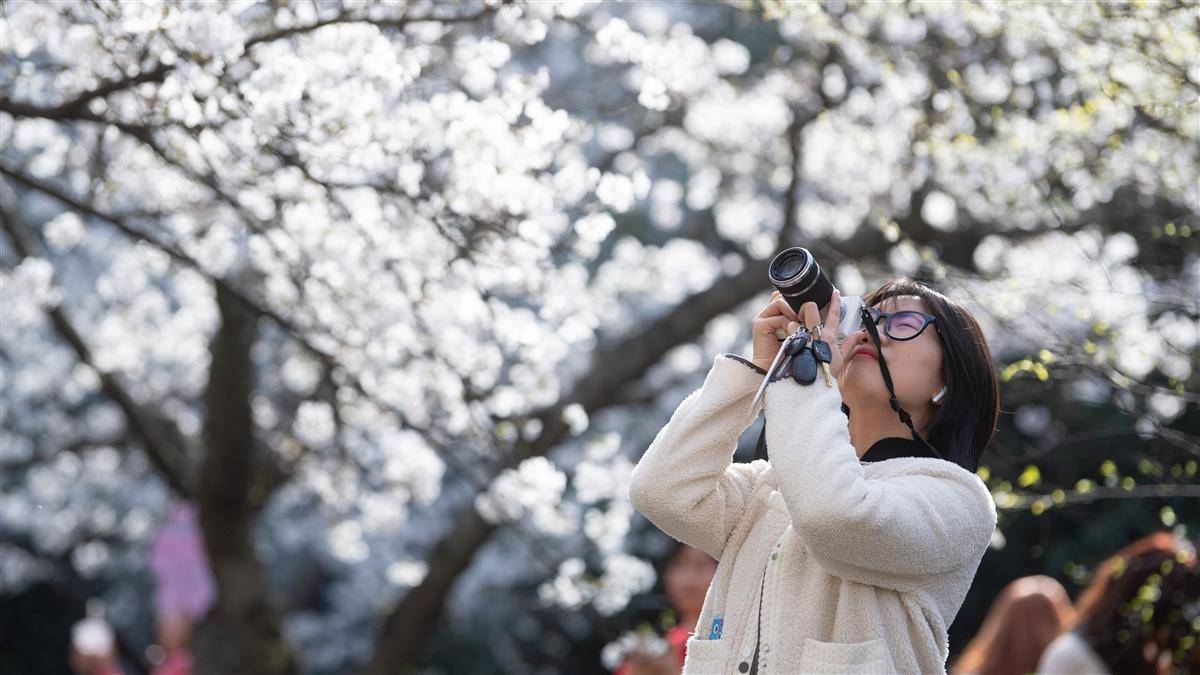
x=241, y=634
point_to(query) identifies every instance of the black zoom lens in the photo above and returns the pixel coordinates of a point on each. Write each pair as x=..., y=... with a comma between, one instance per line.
x=799, y=278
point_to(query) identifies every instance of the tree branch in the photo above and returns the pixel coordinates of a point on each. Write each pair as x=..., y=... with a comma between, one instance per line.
x=347, y=17
x=163, y=443
x=1161, y=491
x=451, y=460
x=77, y=108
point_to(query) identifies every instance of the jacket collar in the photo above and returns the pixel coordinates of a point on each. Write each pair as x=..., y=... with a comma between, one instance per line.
x=895, y=446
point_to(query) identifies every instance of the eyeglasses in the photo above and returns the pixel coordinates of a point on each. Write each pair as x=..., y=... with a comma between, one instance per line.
x=904, y=325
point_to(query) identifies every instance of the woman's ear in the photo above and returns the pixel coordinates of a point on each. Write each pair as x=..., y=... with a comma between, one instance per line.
x=937, y=398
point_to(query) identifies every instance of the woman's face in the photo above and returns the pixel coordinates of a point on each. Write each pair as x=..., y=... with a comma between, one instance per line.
x=686, y=579
x=915, y=365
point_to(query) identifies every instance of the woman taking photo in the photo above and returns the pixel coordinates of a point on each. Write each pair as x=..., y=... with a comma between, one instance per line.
x=852, y=548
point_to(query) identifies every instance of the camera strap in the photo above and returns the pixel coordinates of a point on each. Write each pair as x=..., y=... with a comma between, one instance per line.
x=873, y=331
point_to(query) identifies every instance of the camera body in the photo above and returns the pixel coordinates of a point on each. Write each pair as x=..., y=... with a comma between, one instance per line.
x=800, y=279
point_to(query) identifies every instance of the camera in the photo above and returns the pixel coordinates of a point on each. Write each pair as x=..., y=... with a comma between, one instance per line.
x=799, y=278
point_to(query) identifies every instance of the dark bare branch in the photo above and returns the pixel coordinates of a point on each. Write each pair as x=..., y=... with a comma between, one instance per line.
x=162, y=441
x=77, y=107
x=1160, y=491
x=348, y=17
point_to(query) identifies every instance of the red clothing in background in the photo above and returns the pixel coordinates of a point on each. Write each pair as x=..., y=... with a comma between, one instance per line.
x=178, y=662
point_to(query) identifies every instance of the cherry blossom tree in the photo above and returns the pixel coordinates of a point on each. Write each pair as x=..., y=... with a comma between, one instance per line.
x=403, y=290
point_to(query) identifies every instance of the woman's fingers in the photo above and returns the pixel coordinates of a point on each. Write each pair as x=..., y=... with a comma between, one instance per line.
x=767, y=338
x=769, y=324
x=778, y=307
x=812, y=315
x=833, y=316
x=786, y=309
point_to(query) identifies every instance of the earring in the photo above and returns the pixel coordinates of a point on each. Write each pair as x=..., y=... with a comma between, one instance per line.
x=938, y=396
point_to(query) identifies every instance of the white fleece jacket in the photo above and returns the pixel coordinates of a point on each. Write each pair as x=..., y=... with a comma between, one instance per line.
x=862, y=567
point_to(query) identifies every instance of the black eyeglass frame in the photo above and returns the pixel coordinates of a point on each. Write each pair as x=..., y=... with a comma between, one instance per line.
x=927, y=320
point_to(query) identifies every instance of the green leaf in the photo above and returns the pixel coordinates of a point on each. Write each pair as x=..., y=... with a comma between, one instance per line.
x=1030, y=476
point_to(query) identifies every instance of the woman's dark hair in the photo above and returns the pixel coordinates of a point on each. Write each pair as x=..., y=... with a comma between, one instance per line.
x=1142, y=595
x=965, y=422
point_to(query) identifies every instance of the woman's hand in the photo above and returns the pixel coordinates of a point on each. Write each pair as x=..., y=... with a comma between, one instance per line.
x=829, y=333
x=776, y=315
x=779, y=314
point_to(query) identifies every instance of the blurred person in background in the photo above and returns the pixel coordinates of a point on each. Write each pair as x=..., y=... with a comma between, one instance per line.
x=1024, y=619
x=94, y=644
x=1137, y=617
x=687, y=573
x=184, y=589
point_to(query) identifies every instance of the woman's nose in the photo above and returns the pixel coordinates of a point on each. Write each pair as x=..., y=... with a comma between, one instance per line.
x=862, y=337
x=858, y=337
x=851, y=341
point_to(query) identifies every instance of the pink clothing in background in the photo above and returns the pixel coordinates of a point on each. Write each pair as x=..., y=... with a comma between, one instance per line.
x=185, y=584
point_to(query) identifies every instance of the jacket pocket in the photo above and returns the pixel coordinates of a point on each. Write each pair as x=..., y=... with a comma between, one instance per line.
x=845, y=657
x=705, y=656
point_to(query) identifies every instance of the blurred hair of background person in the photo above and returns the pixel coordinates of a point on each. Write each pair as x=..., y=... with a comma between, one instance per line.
x=1137, y=617
x=687, y=573
x=1025, y=617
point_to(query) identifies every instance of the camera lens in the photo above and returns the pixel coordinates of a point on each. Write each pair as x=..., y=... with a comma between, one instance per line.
x=791, y=266
x=788, y=267
x=798, y=277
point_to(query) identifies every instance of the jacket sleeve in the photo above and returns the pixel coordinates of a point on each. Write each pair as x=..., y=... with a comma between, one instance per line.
x=895, y=532
x=686, y=482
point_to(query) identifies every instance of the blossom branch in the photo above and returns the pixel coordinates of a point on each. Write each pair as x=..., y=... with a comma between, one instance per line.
x=162, y=441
